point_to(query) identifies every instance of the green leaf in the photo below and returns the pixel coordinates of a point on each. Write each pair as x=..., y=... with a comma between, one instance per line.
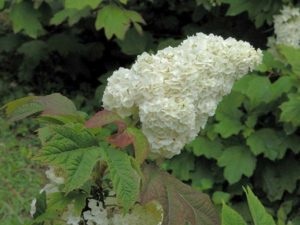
x=73, y=16
x=256, y=88
x=275, y=180
x=181, y=203
x=9, y=42
x=79, y=4
x=125, y=179
x=258, y=212
x=54, y=104
x=25, y=18
x=231, y=217
x=135, y=43
x=282, y=86
x=80, y=167
x=272, y=144
x=56, y=203
x=34, y=52
x=140, y=144
x=116, y=20
x=220, y=197
x=228, y=115
x=203, y=146
x=74, y=149
x=65, y=44
x=179, y=169
x=290, y=110
x=237, y=161
x=237, y=6
x=292, y=56
x=203, y=177
x=23, y=107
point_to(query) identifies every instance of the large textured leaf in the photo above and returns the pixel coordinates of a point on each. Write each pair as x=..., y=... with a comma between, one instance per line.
x=116, y=20
x=258, y=212
x=271, y=143
x=25, y=18
x=231, y=217
x=238, y=161
x=54, y=104
x=125, y=179
x=74, y=149
x=181, y=203
x=202, y=146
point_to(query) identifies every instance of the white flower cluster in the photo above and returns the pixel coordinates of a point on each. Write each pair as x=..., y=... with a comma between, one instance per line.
x=177, y=89
x=49, y=188
x=287, y=27
x=98, y=215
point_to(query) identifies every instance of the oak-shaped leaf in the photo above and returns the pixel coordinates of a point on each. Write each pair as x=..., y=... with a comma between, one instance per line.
x=74, y=149
x=25, y=18
x=125, y=178
x=237, y=160
x=54, y=104
x=116, y=20
x=181, y=203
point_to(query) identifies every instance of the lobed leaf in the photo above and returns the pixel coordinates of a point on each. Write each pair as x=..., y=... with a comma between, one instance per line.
x=237, y=161
x=25, y=18
x=116, y=20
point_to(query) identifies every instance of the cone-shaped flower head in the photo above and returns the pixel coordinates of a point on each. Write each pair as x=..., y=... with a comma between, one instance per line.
x=177, y=89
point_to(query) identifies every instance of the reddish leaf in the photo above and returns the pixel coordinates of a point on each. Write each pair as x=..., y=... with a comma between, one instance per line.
x=180, y=202
x=121, y=140
x=105, y=117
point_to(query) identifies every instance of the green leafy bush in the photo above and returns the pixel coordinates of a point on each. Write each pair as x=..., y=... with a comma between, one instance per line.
x=253, y=139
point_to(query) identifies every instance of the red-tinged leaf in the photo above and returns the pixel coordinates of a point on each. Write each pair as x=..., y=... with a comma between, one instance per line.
x=140, y=144
x=54, y=104
x=57, y=104
x=181, y=203
x=105, y=117
x=120, y=140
